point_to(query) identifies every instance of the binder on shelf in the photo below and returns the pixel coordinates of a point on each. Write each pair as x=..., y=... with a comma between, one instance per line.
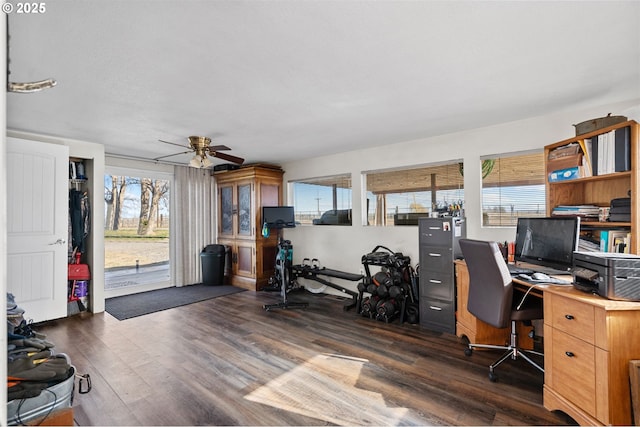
x=594, y=156
x=622, y=149
x=605, y=154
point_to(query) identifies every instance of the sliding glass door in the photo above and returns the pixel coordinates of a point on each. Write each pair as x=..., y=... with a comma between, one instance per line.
x=137, y=231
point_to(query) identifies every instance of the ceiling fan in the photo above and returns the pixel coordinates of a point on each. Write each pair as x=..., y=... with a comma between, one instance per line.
x=201, y=146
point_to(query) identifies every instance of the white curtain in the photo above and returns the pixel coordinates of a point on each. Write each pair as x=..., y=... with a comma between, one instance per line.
x=195, y=221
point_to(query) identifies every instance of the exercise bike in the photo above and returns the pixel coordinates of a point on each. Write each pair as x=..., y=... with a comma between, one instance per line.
x=283, y=277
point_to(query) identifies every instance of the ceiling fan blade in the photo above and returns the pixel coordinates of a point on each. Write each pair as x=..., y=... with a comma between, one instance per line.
x=173, y=143
x=219, y=148
x=227, y=157
x=170, y=155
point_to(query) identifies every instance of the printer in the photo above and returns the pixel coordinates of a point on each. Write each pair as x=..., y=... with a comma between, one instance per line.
x=611, y=275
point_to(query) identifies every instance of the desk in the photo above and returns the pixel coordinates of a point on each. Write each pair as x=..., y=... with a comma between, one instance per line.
x=477, y=331
x=588, y=343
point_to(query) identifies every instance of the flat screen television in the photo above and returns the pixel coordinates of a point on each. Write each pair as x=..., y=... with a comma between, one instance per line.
x=548, y=242
x=278, y=216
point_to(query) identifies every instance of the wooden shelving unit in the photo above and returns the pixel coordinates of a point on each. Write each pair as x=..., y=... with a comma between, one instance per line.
x=588, y=340
x=599, y=190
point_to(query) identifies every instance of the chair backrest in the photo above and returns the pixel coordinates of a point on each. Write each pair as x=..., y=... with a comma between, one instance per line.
x=490, y=286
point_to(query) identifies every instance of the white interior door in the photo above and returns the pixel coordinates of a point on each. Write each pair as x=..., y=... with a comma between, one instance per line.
x=37, y=227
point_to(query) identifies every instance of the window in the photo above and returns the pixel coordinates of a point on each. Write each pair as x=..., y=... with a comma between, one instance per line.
x=399, y=197
x=512, y=187
x=323, y=201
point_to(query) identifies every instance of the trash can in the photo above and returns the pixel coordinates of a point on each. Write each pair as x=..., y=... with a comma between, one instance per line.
x=212, y=258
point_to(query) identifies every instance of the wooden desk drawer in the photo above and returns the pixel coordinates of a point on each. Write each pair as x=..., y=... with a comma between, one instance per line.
x=573, y=363
x=571, y=316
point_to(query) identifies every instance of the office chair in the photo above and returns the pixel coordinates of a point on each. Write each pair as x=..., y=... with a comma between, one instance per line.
x=491, y=299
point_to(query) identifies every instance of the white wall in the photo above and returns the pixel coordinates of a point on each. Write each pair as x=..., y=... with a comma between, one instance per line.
x=341, y=247
x=138, y=165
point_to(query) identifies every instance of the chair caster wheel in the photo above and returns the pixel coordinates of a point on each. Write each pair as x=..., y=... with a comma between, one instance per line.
x=468, y=351
x=493, y=377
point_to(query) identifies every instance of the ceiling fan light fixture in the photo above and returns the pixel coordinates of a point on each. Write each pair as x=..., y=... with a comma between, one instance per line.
x=206, y=163
x=203, y=152
x=196, y=162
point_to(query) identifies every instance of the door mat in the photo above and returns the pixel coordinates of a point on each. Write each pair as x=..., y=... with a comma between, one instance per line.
x=128, y=306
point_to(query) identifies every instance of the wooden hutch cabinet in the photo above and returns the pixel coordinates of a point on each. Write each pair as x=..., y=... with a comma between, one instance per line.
x=588, y=340
x=241, y=195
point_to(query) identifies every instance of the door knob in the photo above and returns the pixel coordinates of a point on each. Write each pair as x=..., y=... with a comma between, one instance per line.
x=59, y=242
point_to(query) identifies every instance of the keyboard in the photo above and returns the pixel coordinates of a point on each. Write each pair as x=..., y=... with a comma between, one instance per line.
x=515, y=270
x=547, y=281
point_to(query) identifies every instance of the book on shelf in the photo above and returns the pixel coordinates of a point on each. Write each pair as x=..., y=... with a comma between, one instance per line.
x=614, y=241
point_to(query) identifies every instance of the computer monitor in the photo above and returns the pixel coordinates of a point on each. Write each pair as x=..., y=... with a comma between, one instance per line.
x=548, y=242
x=278, y=216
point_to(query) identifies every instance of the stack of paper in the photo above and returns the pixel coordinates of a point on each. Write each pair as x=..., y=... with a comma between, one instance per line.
x=583, y=211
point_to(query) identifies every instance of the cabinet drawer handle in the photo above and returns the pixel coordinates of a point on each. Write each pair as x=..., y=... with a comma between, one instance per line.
x=569, y=353
x=435, y=308
x=434, y=254
x=435, y=281
x=569, y=317
x=434, y=228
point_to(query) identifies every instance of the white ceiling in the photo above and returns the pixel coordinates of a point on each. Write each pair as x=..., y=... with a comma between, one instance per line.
x=282, y=80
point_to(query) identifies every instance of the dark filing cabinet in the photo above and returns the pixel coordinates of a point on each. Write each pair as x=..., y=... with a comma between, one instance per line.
x=439, y=247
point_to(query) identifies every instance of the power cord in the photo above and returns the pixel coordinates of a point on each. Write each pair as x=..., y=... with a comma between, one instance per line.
x=531, y=286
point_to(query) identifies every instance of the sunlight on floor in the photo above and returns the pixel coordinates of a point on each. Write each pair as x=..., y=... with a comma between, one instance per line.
x=324, y=388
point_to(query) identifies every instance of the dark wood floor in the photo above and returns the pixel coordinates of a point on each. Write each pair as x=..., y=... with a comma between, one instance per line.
x=226, y=361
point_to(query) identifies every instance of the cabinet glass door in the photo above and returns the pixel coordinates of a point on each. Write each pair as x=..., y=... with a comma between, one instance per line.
x=226, y=210
x=244, y=209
